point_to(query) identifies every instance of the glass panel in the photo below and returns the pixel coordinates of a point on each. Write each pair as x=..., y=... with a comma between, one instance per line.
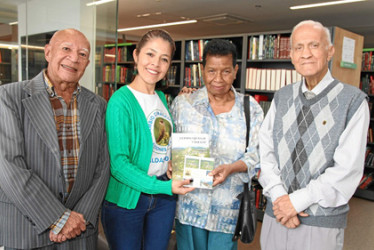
x=37, y=22
x=8, y=42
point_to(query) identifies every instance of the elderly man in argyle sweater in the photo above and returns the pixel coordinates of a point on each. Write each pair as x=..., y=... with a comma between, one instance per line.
x=312, y=149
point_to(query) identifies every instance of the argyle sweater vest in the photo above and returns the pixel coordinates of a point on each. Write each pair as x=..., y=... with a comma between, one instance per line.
x=306, y=134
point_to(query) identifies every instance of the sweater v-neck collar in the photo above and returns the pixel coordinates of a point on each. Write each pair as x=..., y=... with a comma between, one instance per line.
x=318, y=97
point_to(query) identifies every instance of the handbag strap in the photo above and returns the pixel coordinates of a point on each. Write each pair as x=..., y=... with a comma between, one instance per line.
x=247, y=119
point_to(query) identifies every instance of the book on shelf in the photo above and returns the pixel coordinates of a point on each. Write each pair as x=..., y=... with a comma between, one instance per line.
x=106, y=91
x=370, y=138
x=269, y=47
x=191, y=159
x=260, y=199
x=367, y=181
x=253, y=48
x=119, y=74
x=171, y=75
x=368, y=61
x=261, y=47
x=270, y=79
x=369, y=159
x=263, y=101
x=99, y=89
x=123, y=53
x=193, y=76
x=367, y=84
x=194, y=50
x=109, y=54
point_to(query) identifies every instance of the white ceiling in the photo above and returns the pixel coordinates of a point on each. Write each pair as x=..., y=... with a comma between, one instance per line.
x=262, y=15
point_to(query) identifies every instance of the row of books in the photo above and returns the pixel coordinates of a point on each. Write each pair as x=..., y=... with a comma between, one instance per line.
x=124, y=54
x=367, y=84
x=369, y=158
x=370, y=138
x=270, y=79
x=269, y=47
x=193, y=76
x=105, y=90
x=172, y=74
x=195, y=49
x=260, y=199
x=119, y=73
x=368, y=61
x=263, y=101
x=5, y=55
x=367, y=181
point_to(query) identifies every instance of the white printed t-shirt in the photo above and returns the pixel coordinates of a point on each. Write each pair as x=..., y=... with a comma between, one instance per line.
x=160, y=125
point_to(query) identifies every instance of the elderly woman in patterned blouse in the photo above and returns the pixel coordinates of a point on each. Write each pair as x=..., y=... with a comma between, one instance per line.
x=206, y=218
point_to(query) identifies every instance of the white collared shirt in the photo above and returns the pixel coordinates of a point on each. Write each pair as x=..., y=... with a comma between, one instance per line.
x=347, y=172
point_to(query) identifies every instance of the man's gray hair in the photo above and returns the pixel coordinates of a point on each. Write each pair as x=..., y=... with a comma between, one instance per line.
x=316, y=25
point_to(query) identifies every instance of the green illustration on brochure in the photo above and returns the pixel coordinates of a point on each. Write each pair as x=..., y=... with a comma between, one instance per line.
x=191, y=159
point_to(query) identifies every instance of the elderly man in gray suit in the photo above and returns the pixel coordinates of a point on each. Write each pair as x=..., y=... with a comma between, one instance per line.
x=54, y=164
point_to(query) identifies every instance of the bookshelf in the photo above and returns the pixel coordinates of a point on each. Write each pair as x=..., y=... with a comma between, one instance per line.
x=186, y=64
x=268, y=65
x=366, y=187
x=115, y=67
x=8, y=65
x=273, y=62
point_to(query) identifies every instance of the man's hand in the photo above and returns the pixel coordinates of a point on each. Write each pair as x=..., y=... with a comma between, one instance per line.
x=284, y=211
x=220, y=173
x=57, y=237
x=74, y=226
x=294, y=222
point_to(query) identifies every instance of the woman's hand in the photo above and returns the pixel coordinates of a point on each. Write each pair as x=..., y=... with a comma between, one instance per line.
x=177, y=187
x=220, y=173
x=186, y=90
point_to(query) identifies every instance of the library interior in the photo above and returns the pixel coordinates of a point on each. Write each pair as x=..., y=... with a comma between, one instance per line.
x=259, y=29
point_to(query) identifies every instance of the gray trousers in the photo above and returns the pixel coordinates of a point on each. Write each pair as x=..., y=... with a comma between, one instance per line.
x=275, y=236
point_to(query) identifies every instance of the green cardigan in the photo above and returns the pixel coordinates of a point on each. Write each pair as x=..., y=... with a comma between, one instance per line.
x=130, y=147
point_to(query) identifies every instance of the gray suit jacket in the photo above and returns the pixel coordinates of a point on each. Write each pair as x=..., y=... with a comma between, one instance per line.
x=31, y=177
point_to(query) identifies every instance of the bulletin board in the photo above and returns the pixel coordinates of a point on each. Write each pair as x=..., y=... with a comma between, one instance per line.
x=345, y=73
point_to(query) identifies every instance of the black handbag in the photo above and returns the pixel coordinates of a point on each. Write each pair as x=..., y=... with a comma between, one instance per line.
x=247, y=220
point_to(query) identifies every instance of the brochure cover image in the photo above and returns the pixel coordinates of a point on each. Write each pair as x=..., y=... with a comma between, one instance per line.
x=190, y=159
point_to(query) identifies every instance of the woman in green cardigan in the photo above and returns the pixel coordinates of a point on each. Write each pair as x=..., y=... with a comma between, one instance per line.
x=139, y=206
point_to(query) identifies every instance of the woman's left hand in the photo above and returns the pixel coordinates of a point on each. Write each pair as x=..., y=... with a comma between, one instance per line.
x=186, y=90
x=220, y=173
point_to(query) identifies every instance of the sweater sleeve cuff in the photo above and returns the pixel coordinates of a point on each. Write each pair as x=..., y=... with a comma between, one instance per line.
x=301, y=200
x=165, y=187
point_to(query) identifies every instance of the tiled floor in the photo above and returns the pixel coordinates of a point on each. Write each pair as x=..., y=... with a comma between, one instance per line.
x=358, y=234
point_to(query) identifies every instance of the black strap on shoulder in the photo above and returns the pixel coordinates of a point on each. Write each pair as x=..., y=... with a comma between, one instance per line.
x=247, y=118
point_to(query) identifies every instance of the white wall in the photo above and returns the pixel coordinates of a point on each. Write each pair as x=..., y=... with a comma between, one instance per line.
x=40, y=16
